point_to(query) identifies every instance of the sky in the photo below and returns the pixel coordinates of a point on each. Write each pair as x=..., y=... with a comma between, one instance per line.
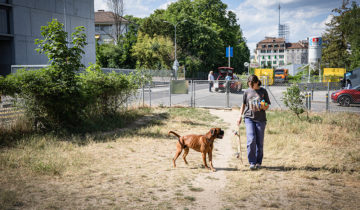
x=257, y=18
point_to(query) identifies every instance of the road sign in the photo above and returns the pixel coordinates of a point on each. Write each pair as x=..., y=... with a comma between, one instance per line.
x=231, y=52
x=246, y=64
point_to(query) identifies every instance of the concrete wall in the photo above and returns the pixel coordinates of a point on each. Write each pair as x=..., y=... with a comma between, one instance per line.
x=30, y=15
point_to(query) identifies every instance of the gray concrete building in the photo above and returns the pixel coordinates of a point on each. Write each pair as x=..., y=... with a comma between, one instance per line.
x=21, y=21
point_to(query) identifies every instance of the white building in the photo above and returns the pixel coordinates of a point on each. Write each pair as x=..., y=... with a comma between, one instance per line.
x=105, y=28
x=270, y=52
x=275, y=52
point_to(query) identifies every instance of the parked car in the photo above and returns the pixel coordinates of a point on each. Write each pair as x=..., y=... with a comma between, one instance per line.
x=220, y=83
x=345, y=97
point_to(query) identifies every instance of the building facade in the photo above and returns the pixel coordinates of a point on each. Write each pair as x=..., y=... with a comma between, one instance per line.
x=270, y=52
x=297, y=53
x=275, y=52
x=105, y=27
x=21, y=21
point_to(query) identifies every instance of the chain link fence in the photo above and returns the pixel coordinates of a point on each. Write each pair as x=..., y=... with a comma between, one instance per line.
x=319, y=96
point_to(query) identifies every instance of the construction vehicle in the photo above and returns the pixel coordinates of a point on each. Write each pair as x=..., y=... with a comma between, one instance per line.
x=281, y=75
x=266, y=76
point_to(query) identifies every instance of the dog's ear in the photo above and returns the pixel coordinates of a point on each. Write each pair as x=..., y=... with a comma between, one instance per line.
x=212, y=131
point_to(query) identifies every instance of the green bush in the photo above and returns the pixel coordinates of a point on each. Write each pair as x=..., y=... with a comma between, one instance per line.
x=294, y=100
x=57, y=97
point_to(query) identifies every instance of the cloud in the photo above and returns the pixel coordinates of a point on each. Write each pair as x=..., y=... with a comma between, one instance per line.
x=165, y=5
x=259, y=18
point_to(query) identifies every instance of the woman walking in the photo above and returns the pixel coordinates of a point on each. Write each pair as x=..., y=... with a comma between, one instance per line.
x=255, y=103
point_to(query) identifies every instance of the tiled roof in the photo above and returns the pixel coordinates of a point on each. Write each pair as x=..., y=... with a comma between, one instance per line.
x=272, y=40
x=296, y=45
x=106, y=17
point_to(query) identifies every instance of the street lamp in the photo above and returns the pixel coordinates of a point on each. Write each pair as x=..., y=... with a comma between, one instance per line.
x=176, y=63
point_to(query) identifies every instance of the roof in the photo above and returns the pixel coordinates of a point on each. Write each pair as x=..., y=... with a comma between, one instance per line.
x=272, y=40
x=296, y=45
x=102, y=16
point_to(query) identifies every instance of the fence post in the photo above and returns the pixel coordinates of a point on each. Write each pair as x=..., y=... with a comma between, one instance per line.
x=327, y=97
x=191, y=93
x=170, y=92
x=312, y=94
x=150, y=94
x=194, y=94
x=227, y=93
x=143, y=96
x=309, y=95
x=306, y=101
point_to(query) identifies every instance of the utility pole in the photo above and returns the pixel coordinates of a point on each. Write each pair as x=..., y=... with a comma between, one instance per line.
x=229, y=56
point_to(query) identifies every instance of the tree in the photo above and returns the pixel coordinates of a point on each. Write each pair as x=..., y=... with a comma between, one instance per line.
x=294, y=100
x=204, y=29
x=117, y=9
x=153, y=52
x=342, y=37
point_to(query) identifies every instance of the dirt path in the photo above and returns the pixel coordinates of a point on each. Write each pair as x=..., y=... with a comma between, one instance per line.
x=213, y=183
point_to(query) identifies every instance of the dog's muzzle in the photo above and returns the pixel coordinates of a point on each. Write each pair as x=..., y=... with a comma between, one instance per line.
x=221, y=134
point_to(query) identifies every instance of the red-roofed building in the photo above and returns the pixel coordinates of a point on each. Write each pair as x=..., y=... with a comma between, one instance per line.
x=275, y=52
x=105, y=26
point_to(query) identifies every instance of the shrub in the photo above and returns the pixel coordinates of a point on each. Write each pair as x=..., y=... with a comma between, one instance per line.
x=294, y=100
x=56, y=97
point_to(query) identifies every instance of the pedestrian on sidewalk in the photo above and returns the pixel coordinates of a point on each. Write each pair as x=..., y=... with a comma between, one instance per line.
x=255, y=103
x=211, y=80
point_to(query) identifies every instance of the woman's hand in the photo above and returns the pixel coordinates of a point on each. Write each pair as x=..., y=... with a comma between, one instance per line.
x=239, y=121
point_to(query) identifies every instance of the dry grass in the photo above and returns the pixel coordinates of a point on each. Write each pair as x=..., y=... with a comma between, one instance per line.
x=130, y=168
x=312, y=164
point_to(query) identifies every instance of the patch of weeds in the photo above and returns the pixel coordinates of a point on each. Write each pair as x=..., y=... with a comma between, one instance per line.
x=190, y=198
x=109, y=146
x=179, y=194
x=9, y=200
x=196, y=189
x=212, y=178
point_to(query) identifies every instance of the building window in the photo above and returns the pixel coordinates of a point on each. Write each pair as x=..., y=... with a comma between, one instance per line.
x=281, y=51
x=268, y=51
x=269, y=57
x=276, y=45
x=281, y=62
x=269, y=63
x=274, y=62
x=275, y=56
x=263, y=46
x=281, y=56
x=269, y=46
x=282, y=45
x=275, y=51
x=263, y=51
x=4, y=21
x=262, y=63
x=263, y=57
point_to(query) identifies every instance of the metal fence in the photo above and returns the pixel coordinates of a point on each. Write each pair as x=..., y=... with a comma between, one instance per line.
x=319, y=97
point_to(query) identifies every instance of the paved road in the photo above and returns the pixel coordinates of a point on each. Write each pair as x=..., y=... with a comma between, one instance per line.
x=204, y=98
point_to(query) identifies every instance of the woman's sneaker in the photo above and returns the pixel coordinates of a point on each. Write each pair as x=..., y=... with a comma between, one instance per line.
x=252, y=167
x=257, y=166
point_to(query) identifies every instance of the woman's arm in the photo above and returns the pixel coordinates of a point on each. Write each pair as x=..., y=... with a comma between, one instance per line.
x=241, y=113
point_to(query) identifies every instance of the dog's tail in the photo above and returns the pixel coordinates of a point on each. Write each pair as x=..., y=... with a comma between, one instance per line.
x=177, y=135
x=172, y=132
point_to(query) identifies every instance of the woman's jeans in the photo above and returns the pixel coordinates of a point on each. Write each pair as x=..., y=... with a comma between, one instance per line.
x=255, y=140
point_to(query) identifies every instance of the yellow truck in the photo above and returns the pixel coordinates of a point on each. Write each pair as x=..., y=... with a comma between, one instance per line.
x=266, y=76
x=333, y=74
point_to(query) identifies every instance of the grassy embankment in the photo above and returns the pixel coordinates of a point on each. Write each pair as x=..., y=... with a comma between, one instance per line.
x=306, y=165
x=127, y=168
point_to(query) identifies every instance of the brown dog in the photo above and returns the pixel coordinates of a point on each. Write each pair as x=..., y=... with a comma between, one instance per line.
x=200, y=143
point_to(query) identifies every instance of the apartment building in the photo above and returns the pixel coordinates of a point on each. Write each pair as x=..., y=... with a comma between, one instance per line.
x=297, y=53
x=105, y=28
x=275, y=52
x=21, y=21
x=270, y=52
